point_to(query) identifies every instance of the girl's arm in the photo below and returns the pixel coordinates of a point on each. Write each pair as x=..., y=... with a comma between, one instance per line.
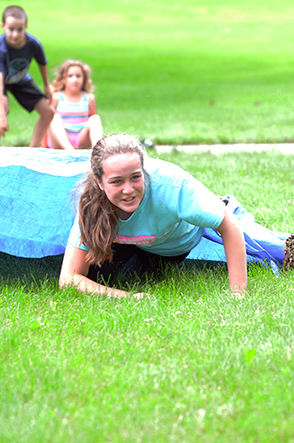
x=74, y=272
x=55, y=99
x=92, y=104
x=233, y=241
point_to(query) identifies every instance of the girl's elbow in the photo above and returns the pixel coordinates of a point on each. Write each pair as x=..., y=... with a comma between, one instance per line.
x=65, y=280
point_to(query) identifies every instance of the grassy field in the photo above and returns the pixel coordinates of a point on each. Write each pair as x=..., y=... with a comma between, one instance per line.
x=175, y=72
x=189, y=364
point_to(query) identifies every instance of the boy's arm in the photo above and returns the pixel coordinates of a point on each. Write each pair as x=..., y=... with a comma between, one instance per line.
x=3, y=119
x=45, y=77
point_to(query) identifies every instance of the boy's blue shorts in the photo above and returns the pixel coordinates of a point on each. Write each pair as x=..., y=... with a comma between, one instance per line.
x=27, y=94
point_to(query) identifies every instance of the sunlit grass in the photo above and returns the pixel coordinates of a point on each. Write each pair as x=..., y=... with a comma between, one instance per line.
x=175, y=72
x=190, y=362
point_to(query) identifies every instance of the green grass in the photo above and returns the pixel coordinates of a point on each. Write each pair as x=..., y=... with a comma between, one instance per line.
x=191, y=363
x=262, y=182
x=175, y=72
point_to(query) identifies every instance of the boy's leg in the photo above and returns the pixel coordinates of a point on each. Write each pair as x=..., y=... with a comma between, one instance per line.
x=30, y=97
x=5, y=104
x=3, y=120
x=57, y=134
x=91, y=133
x=46, y=112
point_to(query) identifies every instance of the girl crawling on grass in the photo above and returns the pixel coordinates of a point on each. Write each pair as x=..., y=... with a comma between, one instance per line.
x=75, y=123
x=137, y=212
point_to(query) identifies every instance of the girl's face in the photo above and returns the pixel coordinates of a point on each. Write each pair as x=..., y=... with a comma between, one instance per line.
x=74, y=79
x=123, y=182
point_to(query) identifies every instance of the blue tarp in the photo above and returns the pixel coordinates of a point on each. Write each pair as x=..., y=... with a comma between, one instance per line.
x=36, y=199
x=37, y=211
x=262, y=245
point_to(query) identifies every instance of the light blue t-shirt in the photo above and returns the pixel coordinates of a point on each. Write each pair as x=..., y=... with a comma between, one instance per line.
x=171, y=217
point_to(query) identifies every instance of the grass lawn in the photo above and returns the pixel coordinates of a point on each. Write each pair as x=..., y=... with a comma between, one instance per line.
x=191, y=363
x=175, y=72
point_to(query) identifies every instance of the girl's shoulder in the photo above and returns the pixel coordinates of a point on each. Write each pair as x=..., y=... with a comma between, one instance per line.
x=90, y=97
x=92, y=103
x=162, y=168
x=55, y=98
x=56, y=94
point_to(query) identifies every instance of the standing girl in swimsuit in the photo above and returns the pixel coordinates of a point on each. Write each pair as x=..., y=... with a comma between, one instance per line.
x=75, y=123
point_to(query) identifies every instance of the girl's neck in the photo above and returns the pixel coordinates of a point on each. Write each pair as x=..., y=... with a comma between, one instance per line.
x=73, y=96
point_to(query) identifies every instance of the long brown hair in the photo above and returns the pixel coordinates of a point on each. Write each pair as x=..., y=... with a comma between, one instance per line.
x=97, y=215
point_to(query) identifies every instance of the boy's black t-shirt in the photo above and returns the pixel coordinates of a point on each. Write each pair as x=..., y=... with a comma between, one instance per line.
x=14, y=63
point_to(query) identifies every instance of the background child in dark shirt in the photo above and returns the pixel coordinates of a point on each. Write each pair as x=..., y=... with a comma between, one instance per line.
x=17, y=49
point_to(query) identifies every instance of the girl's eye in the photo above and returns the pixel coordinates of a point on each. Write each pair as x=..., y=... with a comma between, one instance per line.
x=136, y=177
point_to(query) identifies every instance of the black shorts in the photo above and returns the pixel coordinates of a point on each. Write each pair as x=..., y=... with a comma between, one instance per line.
x=129, y=258
x=27, y=94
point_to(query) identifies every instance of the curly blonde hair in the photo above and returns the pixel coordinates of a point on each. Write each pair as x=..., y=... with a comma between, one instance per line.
x=58, y=82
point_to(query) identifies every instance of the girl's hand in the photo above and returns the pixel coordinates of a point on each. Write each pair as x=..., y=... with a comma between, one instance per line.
x=141, y=295
x=239, y=294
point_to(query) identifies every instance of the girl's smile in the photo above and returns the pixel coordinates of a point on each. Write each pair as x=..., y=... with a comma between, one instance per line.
x=123, y=182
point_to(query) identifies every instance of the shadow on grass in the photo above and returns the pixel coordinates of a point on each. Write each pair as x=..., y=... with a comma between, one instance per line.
x=29, y=270
x=36, y=270
x=169, y=275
